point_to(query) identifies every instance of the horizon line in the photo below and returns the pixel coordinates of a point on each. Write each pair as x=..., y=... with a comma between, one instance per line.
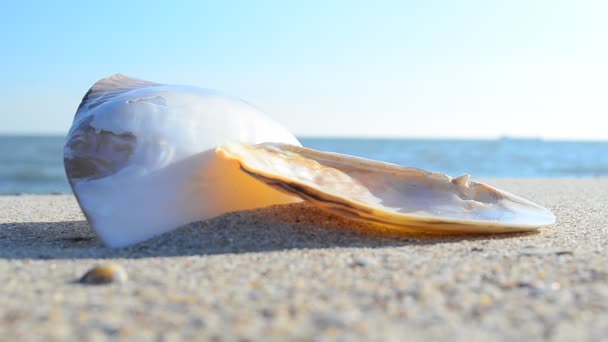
x=368, y=137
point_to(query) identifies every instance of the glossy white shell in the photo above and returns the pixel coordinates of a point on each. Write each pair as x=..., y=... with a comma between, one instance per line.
x=143, y=159
x=140, y=157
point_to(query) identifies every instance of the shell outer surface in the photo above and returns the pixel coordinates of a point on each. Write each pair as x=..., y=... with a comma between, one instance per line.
x=140, y=157
x=400, y=197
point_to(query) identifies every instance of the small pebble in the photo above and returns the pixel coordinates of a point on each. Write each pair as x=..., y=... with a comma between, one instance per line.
x=545, y=251
x=105, y=274
x=485, y=299
x=363, y=261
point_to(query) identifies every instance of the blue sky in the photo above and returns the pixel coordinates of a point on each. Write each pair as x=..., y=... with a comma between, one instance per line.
x=330, y=68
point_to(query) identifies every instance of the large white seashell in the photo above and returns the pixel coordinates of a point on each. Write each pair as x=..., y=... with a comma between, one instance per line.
x=140, y=157
x=144, y=158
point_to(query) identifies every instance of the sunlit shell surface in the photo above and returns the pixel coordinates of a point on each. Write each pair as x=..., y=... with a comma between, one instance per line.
x=400, y=197
x=143, y=159
x=140, y=157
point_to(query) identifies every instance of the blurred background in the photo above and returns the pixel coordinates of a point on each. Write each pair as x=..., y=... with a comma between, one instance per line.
x=495, y=89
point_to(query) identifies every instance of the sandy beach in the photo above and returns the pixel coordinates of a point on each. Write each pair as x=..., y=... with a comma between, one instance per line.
x=294, y=271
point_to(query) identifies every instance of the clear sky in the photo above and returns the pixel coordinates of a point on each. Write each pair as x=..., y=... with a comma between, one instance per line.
x=331, y=68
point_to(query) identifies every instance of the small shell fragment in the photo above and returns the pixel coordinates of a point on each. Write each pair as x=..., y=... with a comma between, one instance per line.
x=105, y=274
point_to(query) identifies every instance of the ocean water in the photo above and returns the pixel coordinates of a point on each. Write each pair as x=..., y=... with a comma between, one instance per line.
x=34, y=164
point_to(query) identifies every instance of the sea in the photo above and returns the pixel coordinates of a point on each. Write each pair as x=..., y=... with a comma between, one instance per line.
x=34, y=164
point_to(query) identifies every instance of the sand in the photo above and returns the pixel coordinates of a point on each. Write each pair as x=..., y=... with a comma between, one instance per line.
x=295, y=272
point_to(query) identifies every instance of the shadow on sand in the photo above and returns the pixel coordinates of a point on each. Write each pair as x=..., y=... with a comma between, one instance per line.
x=277, y=228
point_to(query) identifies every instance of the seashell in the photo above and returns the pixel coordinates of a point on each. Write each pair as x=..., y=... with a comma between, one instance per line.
x=105, y=274
x=140, y=157
x=144, y=158
x=400, y=197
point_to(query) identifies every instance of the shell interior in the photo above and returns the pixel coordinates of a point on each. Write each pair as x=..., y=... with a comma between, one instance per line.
x=399, y=197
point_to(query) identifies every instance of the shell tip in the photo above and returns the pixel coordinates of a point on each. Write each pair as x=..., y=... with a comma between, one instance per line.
x=462, y=180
